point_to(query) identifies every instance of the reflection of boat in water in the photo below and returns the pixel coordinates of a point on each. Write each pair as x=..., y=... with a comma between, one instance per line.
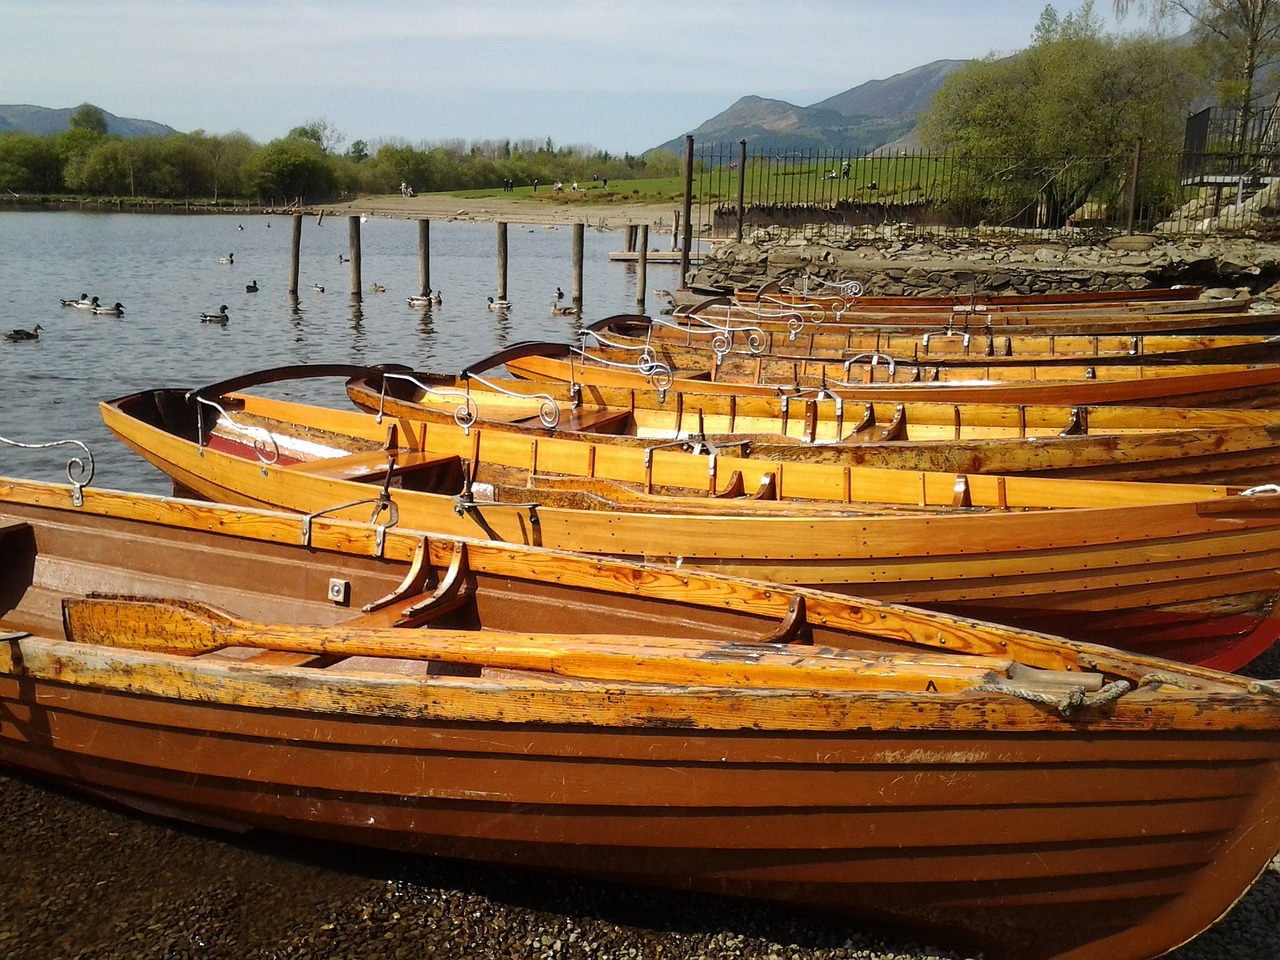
x=987, y=788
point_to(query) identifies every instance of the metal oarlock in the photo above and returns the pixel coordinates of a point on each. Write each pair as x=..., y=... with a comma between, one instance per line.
x=79, y=473
x=260, y=436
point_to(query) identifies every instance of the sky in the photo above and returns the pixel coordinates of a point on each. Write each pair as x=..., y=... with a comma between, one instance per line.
x=617, y=75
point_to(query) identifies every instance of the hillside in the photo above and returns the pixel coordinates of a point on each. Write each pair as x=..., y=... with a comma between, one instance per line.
x=862, y=118
x=45, y=120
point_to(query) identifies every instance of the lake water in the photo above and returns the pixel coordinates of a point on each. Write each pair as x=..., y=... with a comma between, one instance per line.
x=164, y=270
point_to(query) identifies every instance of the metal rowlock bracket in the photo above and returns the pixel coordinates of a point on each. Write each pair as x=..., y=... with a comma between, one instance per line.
x=79, y=475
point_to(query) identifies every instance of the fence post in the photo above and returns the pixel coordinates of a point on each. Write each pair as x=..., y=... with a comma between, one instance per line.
x=1133, y=184
x=742, y=183
x=688, y=210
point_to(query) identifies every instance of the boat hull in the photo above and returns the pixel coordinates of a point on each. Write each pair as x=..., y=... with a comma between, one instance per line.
x=1082, y=849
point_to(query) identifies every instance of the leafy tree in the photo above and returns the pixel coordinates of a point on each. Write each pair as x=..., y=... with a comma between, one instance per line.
x=291, y=167
x=88, y=117
x=29, y=162
x=358, y=151
x=1239, y=38
x=318, y=131
x=1055, y=125
x=107, y=170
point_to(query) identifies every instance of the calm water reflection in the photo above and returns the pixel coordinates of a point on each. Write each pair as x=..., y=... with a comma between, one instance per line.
x=164, y=270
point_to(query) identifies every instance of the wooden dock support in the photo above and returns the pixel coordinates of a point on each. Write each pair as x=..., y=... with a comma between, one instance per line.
x=424, y=257
x=295, y=252
x=579, y=235
x=353, y=244
x=502, y=260
x=642, y=267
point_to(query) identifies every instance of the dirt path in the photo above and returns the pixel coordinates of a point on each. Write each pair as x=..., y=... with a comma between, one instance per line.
x=515, y=209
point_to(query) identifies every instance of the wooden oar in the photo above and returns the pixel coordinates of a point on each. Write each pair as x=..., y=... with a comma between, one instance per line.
x=182, y=627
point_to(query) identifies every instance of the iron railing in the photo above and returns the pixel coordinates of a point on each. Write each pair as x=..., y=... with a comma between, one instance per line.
x=736, y=191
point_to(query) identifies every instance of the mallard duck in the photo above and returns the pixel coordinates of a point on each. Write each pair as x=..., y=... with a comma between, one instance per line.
x=219, y=317
x=559, y=311
x=417, y=301
x=435, y=298
x=379, y=288
x=229, y=258
x=251, y=287
x=559, y=294
x=116, y=311
x=32, y=334
x=499, y=304
x=342, y=259
x=84, y=298
x=317, y=288
x=83, y=304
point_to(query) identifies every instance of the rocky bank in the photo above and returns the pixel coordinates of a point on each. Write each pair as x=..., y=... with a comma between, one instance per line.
x=895, y=261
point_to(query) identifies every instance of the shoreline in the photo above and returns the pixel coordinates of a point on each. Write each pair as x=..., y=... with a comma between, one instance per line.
x=514, y=209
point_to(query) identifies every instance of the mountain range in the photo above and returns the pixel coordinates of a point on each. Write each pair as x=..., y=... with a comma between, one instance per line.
x=876, y=114
x=46, y=120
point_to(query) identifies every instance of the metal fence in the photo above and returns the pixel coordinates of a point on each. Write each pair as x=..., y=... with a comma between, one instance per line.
x=736, y=190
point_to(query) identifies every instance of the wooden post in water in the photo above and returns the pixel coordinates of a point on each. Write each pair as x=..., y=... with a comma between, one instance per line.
x=579, y=233
x=424, y=257
x=688, y=211
x=294, y=252
x=631, y=238
x=353, y=243
x=675, y=230
x=502, y=260
x=642, y=266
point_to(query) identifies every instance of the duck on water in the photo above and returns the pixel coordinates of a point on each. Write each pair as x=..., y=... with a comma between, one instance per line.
x=16, y=336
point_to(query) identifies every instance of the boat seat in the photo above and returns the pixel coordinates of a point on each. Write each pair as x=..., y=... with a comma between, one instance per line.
x=372, y=464
x=596, y=421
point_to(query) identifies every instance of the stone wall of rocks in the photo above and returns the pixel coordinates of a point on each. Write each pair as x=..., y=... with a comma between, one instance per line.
x=897, y=264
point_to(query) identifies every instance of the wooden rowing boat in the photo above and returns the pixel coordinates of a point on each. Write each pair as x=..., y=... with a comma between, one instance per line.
x=807, y=288
x=1008, y=309
x=1223, y=317
x=663, y=367
x=1103, y=442
x=974, y=785
x=1187, y=570
x=940, y=347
